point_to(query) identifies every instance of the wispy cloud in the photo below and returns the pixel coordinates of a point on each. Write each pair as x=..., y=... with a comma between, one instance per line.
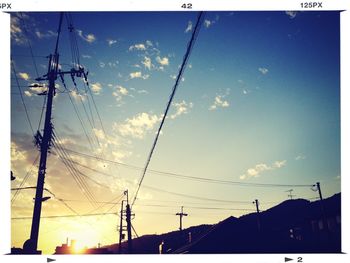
x=137, y=47
x=300, y=157
x=120, y=92
x=137, y=126
x=90, y=38
x=17, y=34
x=263, y=71
x=162, y=61
x=35, y=89
x=220, y=101
x=291, y=14
x=207, y=23
x=96, y=87
x=111, y=42
x=48, y=34
x=24, y=75
x=181, y=108
x=262, y=167
x=147, y=62
x=138, y=74
x=189, y=27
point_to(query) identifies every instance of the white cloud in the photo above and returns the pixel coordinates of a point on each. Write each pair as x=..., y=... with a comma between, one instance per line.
x=16, y=31
x=77, y=96
x=137, y=47
x=24, y=75
x=27, y=93
x=36, y=88
x=90, y=38
x=219, y=101
x=111, y=42
x=102, y=64
x=300, y=157
x=279, y=164
x=263, y=70
x=207, y=23
x=181, y=108
x=149, y=43
x=120, y=92
x=291, y=14
x=96, y=87
x=189, y=27
x=16, y=153
x=138, y=125
x=48, y=34
x=142, y=91
x=262, y=167
x=162, y=61
x=147, y=62
x=86, y=56
x=138, y=74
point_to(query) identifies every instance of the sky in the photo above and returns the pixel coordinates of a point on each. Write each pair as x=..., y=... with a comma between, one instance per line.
x=259, y=102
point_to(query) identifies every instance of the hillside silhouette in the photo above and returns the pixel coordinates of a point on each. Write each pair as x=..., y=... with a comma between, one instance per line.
x=293, y=226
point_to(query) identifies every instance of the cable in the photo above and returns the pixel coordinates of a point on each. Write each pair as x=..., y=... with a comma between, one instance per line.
x=19, y=89
x=195, y=178
x=73, y=171
x=182, y=68
x=24, y=179
x=29, y=45
x=61, y=216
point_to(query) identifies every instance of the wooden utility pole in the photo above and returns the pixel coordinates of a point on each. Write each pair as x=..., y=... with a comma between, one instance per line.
x=324, y=216
x=181, y=215
x=44, y=141
x=256, y=202
x=121, y=235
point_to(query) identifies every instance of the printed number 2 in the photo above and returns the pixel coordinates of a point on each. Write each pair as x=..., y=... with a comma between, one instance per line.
x=187, y=6
x=300, y=259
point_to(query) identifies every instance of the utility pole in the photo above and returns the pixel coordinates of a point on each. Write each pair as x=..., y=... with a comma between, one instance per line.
x=44, y=141
x=181, y=215
x=322, y=207
x=290, y=194
x=127, y=215
x=256, y=202
x=128, y=226
x=121, y=235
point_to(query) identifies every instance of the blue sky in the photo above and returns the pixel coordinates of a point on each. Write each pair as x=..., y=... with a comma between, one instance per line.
x=259, y=103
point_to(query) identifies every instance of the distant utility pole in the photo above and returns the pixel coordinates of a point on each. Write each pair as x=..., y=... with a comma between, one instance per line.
x=290, y=194
x=121, y=229
x=256, y=202
x=322, y=206
x=181, y=215
x=127, y=215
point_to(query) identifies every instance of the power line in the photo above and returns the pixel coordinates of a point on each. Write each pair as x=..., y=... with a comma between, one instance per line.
x=24, y=180
x=181, y=176
x=182, y=68
x=62, y=216
x=64, y=156
x=19, y=89
x=29, y=45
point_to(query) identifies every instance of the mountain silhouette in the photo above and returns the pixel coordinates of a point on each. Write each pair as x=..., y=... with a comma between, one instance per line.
x=293, y=226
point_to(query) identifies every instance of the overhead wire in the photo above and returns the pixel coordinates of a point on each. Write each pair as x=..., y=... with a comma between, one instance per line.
x=187, y=177
x=22, y=99
x=24, y=179
x=64, y=156
x=182, y=68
